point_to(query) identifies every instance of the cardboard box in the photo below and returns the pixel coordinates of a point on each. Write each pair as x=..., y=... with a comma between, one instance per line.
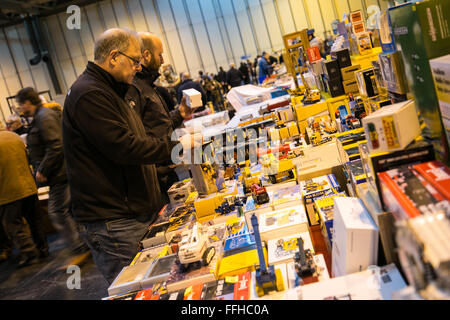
x=421, y=33
x=367, y=83
x=283, y=249
x=407, y=194
x=342, y=57
x=437, y=174
x=440, y=68
x=282, y=222
x=331, y=69
x=364, y=43
x=355, y=237
x=335, y=87
x=179, y=191
x=393, y=72
x=313, y=54
x=392, y=127
x=348, y=73
x=351, y=86
x=193, y=98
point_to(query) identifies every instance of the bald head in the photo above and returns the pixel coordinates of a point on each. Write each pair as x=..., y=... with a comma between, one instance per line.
x=114, y=39
x=185, y=76
x=118, y=51
x=152, y=50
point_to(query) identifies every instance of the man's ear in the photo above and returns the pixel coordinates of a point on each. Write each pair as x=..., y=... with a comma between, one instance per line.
x=147, y=56
x=113, y=58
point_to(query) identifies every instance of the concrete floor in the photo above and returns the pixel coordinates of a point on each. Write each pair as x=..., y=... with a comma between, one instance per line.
x=47, y=280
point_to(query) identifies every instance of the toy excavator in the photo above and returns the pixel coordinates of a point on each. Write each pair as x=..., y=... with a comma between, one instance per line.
x=267, y=278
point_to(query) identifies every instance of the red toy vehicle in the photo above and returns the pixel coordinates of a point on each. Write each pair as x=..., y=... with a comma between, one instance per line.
x=259, y=194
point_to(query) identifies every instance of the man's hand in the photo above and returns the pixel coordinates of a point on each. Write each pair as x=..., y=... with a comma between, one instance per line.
x=185, y=110
x=40, y=178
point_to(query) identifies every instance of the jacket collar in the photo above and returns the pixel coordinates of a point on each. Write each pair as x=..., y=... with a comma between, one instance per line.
x=147, y=74
x=102, y=75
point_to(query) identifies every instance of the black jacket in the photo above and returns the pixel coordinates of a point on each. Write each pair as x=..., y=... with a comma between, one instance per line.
x=222, y=77
x=190, y=84
x=234, y=77
x=44, y=143
x=156, y=116
x=106, y=148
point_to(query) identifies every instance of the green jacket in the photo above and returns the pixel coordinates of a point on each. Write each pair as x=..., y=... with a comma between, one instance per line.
x=16, y=181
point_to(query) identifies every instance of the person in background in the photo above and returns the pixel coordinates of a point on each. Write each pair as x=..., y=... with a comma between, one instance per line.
x=273, y=59
x=265, y=68
x=188, y=83
x=17, y=195
x=222, y=79
x=234, y=76
x=155, y=111
x=44, y=143
x=245, y=72
x=110, y=159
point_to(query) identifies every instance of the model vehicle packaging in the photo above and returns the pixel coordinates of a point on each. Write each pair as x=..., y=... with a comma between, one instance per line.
x=437, y=174
x=282, y=222
x=321, y=272
x=331, y=69
x=230, y=288
x=179, y=225
x=315, y=188
x=324, y=207
x=335, y=87
x=407, y=194
x=342, y=57
x=421, y=34
x=364, y=43
x=239, y=237
x=441, y=75
x=393, y=72
x=160, y=271
x=392, y=127
x=287, y=197
x=355, y=237
x=367, y=83
x=155, y=235
x=129, y=279
x=179, y=191
x=348, y=73
x=283, y=249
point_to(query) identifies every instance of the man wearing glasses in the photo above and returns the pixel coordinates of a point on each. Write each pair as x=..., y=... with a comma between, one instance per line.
x=110, y=159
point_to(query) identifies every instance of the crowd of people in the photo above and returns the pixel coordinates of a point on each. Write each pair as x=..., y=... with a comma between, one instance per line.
x=106, y=155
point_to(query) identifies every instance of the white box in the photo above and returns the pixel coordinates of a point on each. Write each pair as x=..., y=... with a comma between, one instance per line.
x=355, y=237
x=392, y=128
x=193, y=98
x=283, y=222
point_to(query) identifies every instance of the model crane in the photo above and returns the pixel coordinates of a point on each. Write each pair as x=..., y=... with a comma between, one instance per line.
x=267, y=278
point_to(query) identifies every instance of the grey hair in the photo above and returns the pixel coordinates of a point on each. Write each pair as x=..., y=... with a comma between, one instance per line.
x=113, y=39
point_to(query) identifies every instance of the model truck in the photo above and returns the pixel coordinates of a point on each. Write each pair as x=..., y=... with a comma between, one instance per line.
x=194, y=247
x=259, y=194
x=267, y=278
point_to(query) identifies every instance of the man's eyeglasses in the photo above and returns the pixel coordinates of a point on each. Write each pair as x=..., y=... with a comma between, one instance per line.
x=136, y=63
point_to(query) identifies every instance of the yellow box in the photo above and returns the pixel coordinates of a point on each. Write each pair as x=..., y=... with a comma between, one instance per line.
x=284, y=133
x=303, y=112
x=334, y=103
x=351, y=86
x=206, y=206
x=293, y=129
x=348, y=73
x=239, y=263
x=365, y=61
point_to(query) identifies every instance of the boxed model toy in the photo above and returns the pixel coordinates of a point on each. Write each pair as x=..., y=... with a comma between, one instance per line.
x=324, y=207
x=129, y=279
x=179, y=225
x=282, y=222
x=179, y=191
x=193, y=98
x=437, y=174
x=155, y=235
x=283, y=249
x=229, y=288
x=287, y=197
x=160, y=271
x=315, y=188
x=152, y=253
x=392, y=127
x=355, y=237
x=407, y=194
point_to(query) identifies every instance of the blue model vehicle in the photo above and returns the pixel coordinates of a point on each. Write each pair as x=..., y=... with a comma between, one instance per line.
x=267, y=278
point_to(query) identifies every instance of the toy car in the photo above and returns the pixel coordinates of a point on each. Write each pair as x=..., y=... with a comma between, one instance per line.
x=194, y=248
x=259, y=194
